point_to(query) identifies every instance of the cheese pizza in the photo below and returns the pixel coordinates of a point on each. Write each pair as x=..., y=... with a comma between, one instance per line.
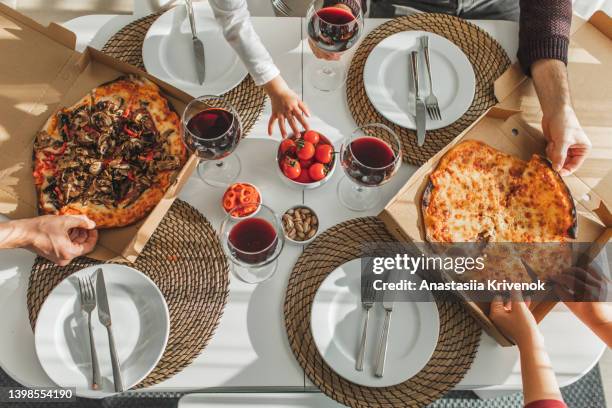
x=480, y=194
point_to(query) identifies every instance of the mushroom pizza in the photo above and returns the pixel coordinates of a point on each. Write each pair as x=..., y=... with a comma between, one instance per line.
x=111, y=156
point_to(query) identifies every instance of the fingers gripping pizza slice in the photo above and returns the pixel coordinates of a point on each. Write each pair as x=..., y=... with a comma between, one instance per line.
x=110, y=156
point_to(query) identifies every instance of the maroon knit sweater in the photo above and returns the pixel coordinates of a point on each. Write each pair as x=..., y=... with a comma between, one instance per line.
x=544, y=31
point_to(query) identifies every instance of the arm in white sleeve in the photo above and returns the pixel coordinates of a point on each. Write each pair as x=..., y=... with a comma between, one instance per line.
x=234, y=18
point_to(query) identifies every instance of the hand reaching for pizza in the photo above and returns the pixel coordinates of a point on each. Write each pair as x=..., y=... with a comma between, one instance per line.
x=286, y=106
x=581, y=285
x=59, y=238
x=585, y=293
x=568, y=145
x=515, y=320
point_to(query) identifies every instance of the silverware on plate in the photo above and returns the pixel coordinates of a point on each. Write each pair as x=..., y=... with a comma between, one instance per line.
x=387, y=303
x=419, y=105
x=88, y=304
x=105, y=318
x=198, y=47
x=431, y=102
x=368, y=297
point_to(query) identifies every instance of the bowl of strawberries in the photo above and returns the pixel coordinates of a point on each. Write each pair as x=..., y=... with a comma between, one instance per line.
x=306, y=160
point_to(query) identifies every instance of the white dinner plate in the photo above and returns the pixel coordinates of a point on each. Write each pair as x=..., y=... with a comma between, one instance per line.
x=387, y=76
x=140, y=323
x=167, y=52
x=336, y=323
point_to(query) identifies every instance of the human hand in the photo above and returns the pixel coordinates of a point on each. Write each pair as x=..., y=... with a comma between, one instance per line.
x=568, y=145
x=286, y=106
x=515, y=320
x=584, y=292
x=581, y=285
x=319, y=53
x=60, y=238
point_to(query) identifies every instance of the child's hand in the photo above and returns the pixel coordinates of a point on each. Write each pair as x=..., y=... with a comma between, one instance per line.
x=286, y=105
x=515, y=320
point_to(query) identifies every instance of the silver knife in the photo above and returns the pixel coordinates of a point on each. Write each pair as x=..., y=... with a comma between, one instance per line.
x=198, y=47
x=105, y=318
x=387, y=304
x=420, y=112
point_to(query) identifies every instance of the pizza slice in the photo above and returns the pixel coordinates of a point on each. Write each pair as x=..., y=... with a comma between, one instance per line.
x=540, y=206
x=465, y=198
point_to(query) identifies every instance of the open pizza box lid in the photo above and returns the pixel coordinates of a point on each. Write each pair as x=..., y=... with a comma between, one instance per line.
x=41, y=72
x=513, y=127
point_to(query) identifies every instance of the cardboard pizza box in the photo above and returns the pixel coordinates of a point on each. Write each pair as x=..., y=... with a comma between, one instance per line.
x=41, y=72
x=513, y=126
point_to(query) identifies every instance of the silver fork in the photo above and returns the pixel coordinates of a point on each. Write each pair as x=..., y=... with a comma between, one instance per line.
x=282, y=7
x=88, y=304
x=368, y=296
x=431, y=102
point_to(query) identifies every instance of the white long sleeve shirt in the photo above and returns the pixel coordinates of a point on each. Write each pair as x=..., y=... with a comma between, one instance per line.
x=235, y=21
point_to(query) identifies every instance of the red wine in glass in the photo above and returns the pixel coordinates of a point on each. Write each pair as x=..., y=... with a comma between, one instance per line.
x=253, y=240
x=213, y=133
x=334, y=29
x=369, y=161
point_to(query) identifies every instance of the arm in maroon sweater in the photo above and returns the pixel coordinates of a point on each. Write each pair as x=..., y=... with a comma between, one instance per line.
x=543, y=44
x=544, y=31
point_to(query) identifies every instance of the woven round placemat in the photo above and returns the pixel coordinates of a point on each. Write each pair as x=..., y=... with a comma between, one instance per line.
x=487, y=57
x=185, y=260
x=457, y=342
x=126, y=45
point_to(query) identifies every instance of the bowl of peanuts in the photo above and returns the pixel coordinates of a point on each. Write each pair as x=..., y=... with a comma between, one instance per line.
x=300, y=224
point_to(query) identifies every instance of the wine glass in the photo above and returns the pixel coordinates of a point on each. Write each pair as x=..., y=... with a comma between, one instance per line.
x=253, y=244
x=333, y=27
x=370, y=156
x=211, y=129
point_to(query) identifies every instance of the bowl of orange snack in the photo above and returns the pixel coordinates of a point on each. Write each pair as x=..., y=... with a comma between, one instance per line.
x=241, y=200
